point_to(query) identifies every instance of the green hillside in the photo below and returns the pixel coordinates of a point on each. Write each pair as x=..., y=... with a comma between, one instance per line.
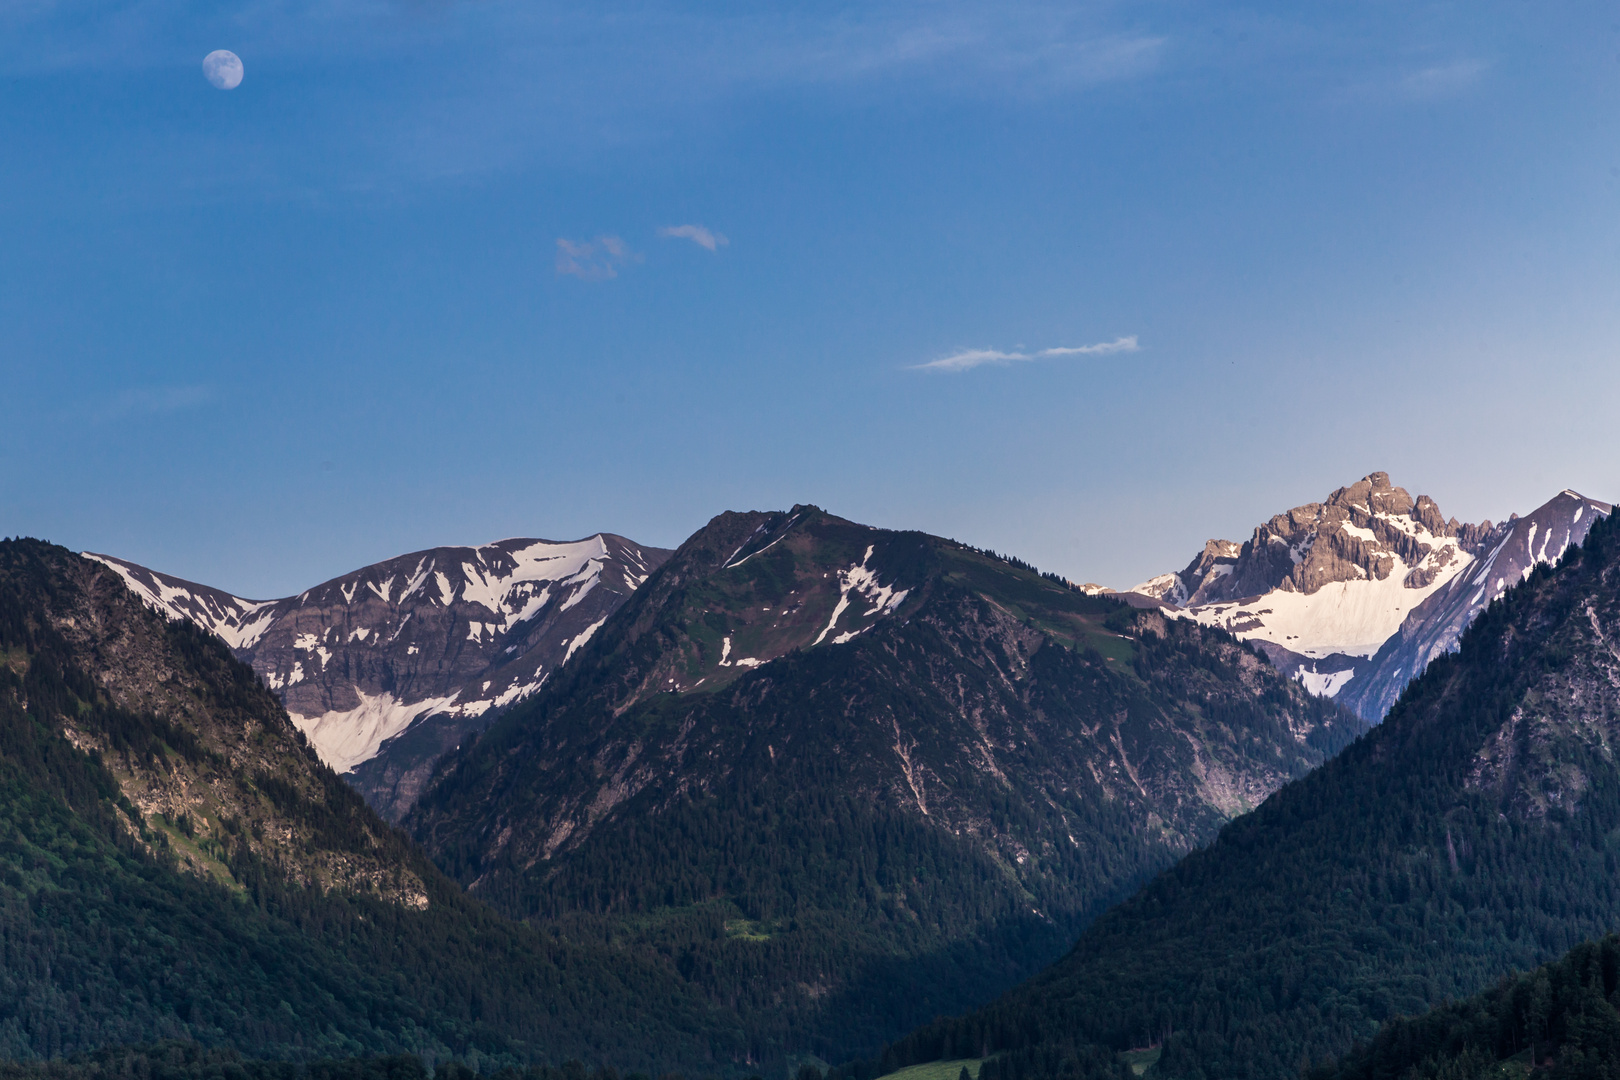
x=1477, y=830
x=841, y=780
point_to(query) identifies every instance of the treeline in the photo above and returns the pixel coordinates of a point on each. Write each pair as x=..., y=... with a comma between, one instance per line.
x=1021, y=564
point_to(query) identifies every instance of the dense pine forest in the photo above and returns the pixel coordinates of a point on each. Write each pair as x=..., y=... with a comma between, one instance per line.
x=1476, y=831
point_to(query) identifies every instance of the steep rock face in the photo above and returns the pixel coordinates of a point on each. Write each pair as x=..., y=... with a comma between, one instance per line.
x=1504, y=557
x=1473, y=833
x=1354, y=595
x=387, y=667
x=896, y=771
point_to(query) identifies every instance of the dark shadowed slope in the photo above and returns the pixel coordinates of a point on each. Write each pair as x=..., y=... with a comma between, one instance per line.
x=843, y=779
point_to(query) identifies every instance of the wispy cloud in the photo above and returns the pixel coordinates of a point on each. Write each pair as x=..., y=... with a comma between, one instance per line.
x=698, y=234
x=593, y=260
x=966, y=359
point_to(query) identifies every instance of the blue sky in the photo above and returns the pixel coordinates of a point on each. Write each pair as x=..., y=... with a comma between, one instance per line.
x=413, y=282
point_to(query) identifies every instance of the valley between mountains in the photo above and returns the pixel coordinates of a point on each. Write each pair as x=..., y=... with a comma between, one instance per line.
x=805, y=791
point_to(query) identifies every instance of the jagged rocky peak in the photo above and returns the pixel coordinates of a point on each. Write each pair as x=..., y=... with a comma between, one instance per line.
x=1363, y=532
x=1356, y=594
x=388, y=666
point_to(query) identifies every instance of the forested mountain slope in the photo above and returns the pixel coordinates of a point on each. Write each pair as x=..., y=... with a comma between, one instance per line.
x=1476, y=830
x=844, y=779
x=176, y=862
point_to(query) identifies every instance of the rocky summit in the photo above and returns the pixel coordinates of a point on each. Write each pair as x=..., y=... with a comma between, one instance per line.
x=1355, y=595
x=387, y=667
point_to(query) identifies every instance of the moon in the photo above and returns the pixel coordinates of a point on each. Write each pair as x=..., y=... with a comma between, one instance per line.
x=223, y=68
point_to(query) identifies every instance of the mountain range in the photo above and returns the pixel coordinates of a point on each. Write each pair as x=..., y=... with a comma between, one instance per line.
x=1354, y=596
x=786, y=793
x=387, y=667
x=809, y=785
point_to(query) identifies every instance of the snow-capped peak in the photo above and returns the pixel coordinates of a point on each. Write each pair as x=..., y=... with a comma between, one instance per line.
x=1327, y=587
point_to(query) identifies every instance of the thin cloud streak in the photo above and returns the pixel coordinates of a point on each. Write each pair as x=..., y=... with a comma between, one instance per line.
x=698, y=234
x=967, y=359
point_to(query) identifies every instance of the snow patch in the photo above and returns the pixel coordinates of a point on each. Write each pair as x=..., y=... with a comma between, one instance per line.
x=239, y=623
x=588, y=633
x=345, y=738
x=1327, y=683
x=1350, y=617
x=519, y=691
x=761, y=551
x=861, y=580
x=418, y=578
x=1166, y=587
x=583, y=592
